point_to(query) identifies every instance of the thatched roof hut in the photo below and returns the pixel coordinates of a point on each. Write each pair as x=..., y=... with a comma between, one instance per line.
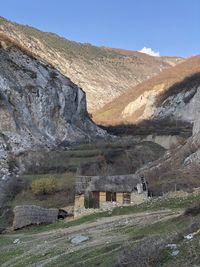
x=117, y=183
x=30, y=214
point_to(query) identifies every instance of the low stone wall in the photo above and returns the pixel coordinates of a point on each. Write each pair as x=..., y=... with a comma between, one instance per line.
x=31, y=214
x=137, y=199
x=109, y=206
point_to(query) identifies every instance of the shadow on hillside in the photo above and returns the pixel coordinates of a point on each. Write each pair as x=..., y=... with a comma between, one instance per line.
x=154, y=127
x=190, y=83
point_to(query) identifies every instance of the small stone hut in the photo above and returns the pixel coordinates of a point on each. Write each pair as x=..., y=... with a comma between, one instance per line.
x=30, y=214
x=107, y=191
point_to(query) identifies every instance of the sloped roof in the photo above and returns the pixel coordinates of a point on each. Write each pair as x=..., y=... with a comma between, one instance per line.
x=117, y=183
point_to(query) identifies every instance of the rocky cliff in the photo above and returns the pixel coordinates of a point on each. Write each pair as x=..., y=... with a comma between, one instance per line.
x=179, y=168
x=39, y=107
x=103, y=73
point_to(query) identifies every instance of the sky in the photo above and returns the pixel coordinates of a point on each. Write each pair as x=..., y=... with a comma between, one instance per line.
x=166, y=27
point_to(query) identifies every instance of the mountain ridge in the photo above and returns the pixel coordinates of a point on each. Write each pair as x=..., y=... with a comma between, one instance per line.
x=103, y=74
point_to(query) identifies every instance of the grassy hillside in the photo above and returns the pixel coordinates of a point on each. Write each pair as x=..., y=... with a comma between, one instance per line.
x=138, y=236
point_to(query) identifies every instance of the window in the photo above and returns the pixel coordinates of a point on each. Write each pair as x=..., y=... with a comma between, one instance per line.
x=110, y=196
x=127, y=198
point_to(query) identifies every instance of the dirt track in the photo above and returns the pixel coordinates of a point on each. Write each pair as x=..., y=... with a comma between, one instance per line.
x=47, y=248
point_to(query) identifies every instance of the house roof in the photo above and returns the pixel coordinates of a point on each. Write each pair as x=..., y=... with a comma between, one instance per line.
x=117, y=183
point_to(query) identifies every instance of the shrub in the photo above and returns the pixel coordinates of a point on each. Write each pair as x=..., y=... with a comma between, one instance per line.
x=146, y=254
x=193, y=211
x=44, y=186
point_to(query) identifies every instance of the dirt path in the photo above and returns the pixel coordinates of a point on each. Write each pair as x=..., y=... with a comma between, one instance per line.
x=51, y=245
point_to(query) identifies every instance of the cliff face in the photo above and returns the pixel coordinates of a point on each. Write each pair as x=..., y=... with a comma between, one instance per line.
x=39, y=107
x=103, y=73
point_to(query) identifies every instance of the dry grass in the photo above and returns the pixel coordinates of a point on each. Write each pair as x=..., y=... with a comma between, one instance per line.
x=172, y=79
x=9, y=43
x=146, y=254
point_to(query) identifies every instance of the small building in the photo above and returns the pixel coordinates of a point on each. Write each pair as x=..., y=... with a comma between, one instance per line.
x=105, y=192
x=30, y=214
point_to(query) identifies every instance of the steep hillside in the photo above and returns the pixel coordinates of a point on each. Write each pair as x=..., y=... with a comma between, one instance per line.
x=103, y=73
x=179, y=168
x=169, y=94
x=39, y=108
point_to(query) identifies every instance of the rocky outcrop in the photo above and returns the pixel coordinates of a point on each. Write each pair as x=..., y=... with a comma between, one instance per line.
x=179, y=166
x=170, y=94
x=31, y=214
x=39, y=108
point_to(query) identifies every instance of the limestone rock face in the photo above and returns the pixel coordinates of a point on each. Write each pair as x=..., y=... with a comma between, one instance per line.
x=39, y=107
x=182, y=106
x=194, y=158
x=196, y=128
x=184, y=159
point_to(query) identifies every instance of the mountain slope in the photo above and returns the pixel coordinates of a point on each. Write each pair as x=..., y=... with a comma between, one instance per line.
x=168, y=94
x=103, y=73
x=39, y=108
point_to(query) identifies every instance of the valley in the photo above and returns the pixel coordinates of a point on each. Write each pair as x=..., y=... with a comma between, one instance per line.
x=107, y=139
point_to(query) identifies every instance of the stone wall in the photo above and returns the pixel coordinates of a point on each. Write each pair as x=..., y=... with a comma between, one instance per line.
x=79, y=201
x=80, y=210
x=102, y=197
x=119, y=198
x=137, y=199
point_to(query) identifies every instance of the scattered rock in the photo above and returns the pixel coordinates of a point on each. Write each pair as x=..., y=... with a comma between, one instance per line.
x=16, y=241
x=188, y=237
x=174, y=250
x=172, y=246
x=79, y=239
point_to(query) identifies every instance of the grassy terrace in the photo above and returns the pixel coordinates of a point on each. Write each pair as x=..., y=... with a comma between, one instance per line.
x=63, y=166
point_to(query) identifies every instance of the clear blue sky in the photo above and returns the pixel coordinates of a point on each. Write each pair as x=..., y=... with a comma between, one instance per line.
x=171, y=27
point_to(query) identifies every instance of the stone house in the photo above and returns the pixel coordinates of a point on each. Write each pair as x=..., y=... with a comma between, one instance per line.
x=105, y=192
